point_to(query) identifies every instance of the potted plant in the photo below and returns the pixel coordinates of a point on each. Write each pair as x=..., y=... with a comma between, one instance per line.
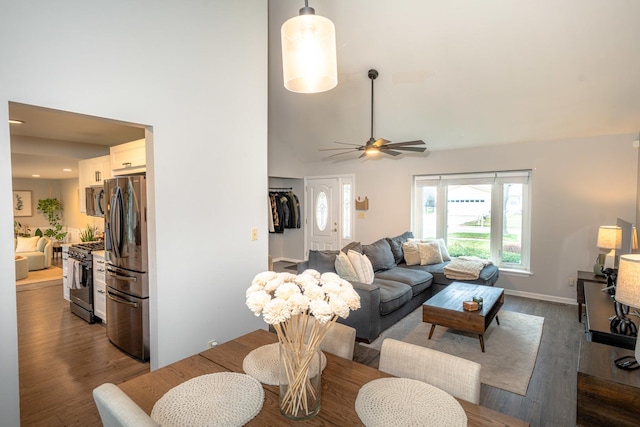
x=52, y=208
x=88, y=234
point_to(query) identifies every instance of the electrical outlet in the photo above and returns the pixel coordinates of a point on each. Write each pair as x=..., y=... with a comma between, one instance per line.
x=212, y=344
x=254, y=233
x=572, y=282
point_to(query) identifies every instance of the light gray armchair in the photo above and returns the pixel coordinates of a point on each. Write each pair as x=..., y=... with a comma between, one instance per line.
x=455, y=375
x=118, y=410
x=38, y=250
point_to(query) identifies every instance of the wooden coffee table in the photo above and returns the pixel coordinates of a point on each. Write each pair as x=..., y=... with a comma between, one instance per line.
x=445, y=308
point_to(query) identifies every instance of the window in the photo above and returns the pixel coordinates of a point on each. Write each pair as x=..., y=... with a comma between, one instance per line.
x=482, y=214
x=346, y=211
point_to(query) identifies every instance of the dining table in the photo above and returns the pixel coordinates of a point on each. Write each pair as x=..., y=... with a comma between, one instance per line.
x=342, y=379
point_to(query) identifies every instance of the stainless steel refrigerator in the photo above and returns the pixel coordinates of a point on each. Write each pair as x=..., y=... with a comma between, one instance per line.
x=126, y=264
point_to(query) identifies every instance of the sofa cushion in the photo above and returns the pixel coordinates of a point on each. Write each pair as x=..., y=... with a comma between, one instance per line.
x=27, y=244
x=380, y=255
x=411, y=253
x=362, y=266
x=419, y=280
x=395, y=243
x=393, y=295
x=354, y=246
x=42, y=242
x=488, y=275
x=344, y=268
x=322, y=261
x=429, y=253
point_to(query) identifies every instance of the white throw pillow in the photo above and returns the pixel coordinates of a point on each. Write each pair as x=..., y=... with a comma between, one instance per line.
x=362, y=266
x=27, y=244
x=344, y=268
x=411, y=253
x=429, y=253
x=443, y=247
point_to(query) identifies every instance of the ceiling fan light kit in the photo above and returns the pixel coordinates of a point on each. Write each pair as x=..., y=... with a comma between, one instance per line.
x=374, y=146
x=309, y=63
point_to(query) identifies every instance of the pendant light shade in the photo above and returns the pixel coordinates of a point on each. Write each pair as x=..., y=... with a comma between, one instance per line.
x=309, y=53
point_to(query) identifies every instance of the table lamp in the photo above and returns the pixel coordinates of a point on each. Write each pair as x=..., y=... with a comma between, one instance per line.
x=609, y=239
x=628, y=286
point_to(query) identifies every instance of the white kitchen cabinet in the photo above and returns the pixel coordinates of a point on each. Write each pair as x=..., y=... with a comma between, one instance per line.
x=92, y=172
x=99, y=286
x=129, y=158
x=65, y=272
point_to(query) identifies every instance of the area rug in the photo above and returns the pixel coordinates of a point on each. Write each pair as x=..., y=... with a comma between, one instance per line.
x=511, y=348
x=40, y=278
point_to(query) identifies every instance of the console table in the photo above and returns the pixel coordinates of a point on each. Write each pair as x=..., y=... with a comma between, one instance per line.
x=586, y=276
x=599, y=309
x=607, y=395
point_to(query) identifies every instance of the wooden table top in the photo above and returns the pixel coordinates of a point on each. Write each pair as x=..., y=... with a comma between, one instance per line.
x=341, y=381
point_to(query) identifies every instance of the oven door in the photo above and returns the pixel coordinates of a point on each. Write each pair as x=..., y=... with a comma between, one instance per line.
x=81, y=292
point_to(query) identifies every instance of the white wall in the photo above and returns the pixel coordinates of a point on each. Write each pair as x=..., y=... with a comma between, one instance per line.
x=197, y=73
x=577, y=185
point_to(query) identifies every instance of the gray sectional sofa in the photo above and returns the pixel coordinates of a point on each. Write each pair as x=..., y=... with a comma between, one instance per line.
x=397, y=288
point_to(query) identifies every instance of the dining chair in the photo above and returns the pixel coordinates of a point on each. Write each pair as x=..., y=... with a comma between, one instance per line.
x=118, y=410
x=455, y=375
x=340, y=340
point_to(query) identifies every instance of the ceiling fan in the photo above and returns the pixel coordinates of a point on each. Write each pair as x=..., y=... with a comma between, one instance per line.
x=374, y=146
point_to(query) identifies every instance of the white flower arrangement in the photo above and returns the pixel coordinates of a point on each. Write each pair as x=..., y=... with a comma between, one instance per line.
x=287, y=302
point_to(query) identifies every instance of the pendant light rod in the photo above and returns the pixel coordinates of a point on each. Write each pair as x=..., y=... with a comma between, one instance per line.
x=306, y=10
x=373, y=74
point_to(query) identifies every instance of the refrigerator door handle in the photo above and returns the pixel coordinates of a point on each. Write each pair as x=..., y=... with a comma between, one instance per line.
x=116, y=220
x=121, y=301
x=119, y=277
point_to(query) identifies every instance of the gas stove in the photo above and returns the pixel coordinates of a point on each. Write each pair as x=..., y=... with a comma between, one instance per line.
x=82, y=251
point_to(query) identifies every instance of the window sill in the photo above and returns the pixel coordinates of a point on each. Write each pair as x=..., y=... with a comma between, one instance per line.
x=515, y=272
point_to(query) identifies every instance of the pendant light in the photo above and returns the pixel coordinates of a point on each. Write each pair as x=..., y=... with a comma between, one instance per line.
x=309, y=52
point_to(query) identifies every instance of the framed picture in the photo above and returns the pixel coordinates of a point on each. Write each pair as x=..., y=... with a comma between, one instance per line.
x=22, y=203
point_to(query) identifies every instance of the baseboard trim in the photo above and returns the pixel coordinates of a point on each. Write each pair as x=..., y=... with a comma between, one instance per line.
x=550, y=298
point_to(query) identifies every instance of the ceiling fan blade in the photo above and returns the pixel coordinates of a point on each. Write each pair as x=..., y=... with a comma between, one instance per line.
x=402, y=144
x=387, y=151
x=347, y=143
x=340, y=154
x=416, y=149
x=332, y=149
x=380, y=142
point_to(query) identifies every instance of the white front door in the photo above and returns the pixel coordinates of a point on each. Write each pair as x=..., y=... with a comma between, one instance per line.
x=324, y=214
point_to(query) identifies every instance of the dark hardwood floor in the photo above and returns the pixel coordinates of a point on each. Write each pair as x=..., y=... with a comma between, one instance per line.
x=62, y=359
x=551, y=396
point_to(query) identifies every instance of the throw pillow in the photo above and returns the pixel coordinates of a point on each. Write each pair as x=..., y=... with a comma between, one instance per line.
x=395, y=243
x=362, y=266
x=42, y=242
x=443, y=247
x=344, y=268
x=323, y=261
x=355, y=246
x=380, y=255
x=411, y=253
x=27, y=244
x=429, y=253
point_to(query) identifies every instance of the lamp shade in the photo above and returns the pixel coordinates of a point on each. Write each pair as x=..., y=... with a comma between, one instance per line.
x=309, y=62
x=628, y=281
x=609, y=237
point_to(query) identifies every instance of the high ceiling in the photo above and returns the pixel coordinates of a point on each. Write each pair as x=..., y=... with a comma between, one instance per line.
x=454, y=73
x=462, y=73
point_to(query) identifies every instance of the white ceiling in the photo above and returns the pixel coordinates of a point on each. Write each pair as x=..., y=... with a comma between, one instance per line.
x=51, y=140
x=454, y=73
x=462, y=73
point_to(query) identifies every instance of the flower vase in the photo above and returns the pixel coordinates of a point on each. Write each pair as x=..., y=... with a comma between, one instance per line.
x=300, y=381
